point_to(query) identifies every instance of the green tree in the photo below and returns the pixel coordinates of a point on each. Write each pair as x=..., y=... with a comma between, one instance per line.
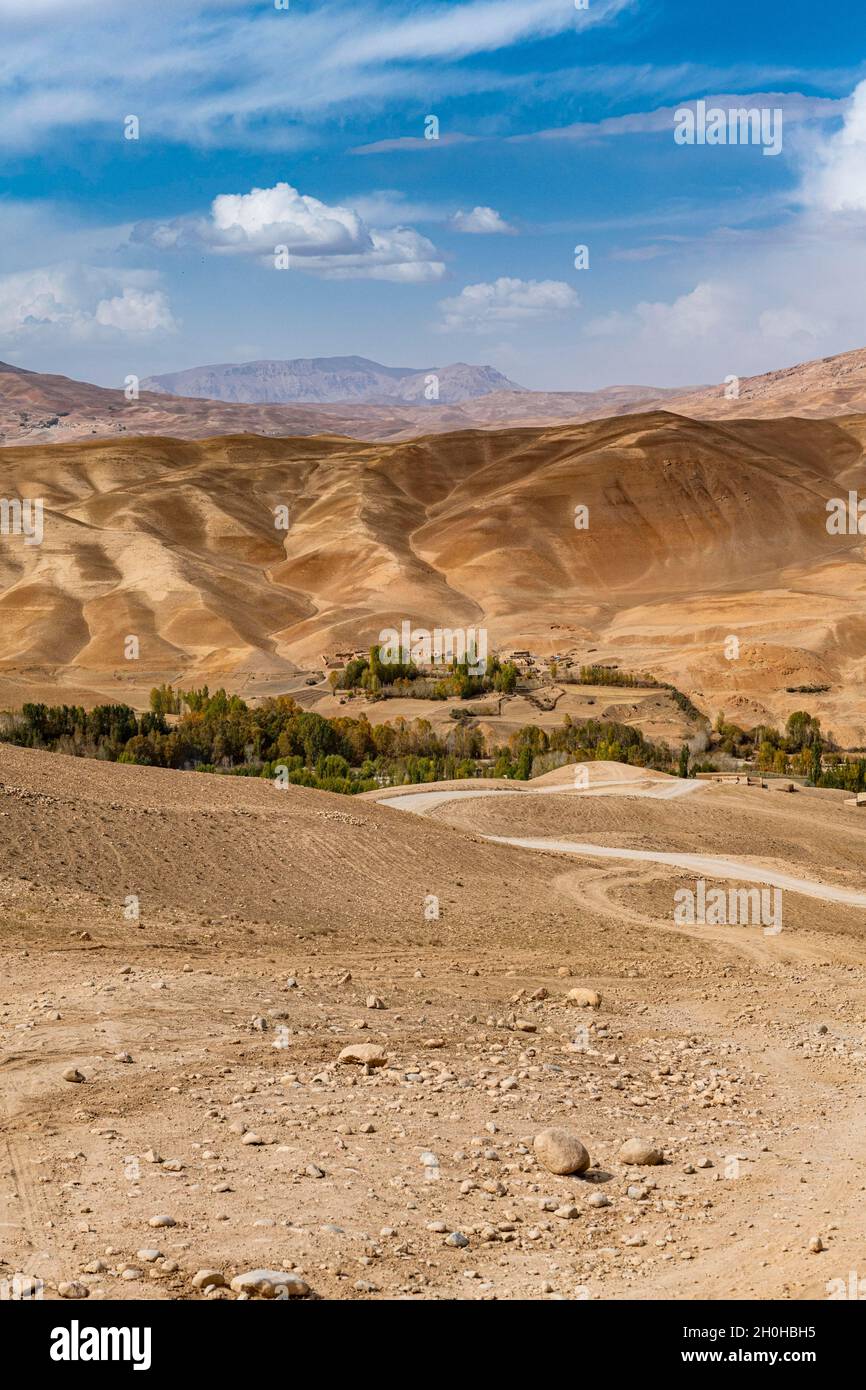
x=524, y=763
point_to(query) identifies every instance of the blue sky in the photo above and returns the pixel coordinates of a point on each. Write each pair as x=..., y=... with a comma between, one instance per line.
x=305, y=128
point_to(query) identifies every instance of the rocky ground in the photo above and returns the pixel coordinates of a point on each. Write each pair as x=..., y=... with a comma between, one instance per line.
x=176, y=1112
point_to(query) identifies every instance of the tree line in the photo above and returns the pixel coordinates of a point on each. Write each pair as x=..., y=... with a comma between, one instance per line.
x=217, y=732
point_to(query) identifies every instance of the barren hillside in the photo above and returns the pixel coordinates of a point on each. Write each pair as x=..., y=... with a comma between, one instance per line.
x=697, y=531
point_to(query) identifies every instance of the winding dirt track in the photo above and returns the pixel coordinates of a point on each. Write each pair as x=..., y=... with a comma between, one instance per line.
x=735, y=870
x=803, y=1184
x=781, y=1191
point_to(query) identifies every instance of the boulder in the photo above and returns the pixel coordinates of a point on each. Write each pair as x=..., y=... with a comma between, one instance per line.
x=585, y=998
x=640, y=1152
x=364, y=1055
x=560, y=1152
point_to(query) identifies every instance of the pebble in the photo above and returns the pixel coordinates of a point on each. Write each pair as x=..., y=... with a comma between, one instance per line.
x=73, y=1074
x=208, y=1279
x=162, y=1221
x=457, y=1238
x=73, y=1290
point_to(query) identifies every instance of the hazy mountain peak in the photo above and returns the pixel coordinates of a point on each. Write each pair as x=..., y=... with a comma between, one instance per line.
x=327, y=379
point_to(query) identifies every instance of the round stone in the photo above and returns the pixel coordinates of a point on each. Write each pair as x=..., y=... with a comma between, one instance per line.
x=560, y=1152
x=640, y=1152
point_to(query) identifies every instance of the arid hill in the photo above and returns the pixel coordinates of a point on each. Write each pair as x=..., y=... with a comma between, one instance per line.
x=37, y=408
x=697, y=532
x=825, y=387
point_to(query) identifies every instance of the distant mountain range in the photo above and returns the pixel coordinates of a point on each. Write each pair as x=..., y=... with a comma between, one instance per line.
x=39, y=408
x=322, y=380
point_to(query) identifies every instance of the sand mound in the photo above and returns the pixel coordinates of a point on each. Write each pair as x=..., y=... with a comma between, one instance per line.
x=237, y=845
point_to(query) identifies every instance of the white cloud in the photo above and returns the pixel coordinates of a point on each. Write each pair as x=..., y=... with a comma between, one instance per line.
x=480, y=219
x=485, y=307
x=400, y=254
x=772, y=302
x=224, y=72
x=389, y=207
x=258, y=220
x=707, y=309
x=324, y=239
x=135, y=311
x=481, y=26
x=789, y=324
x=81, y=302
x=836, y=181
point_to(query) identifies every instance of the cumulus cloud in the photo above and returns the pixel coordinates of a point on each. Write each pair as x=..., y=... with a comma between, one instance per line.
x=82, y=302
x=486, y=307
x=325, y=239
x=480, y=219
x=707, y=309
x=836, y=181
x=758, y=312
x=255, y=221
